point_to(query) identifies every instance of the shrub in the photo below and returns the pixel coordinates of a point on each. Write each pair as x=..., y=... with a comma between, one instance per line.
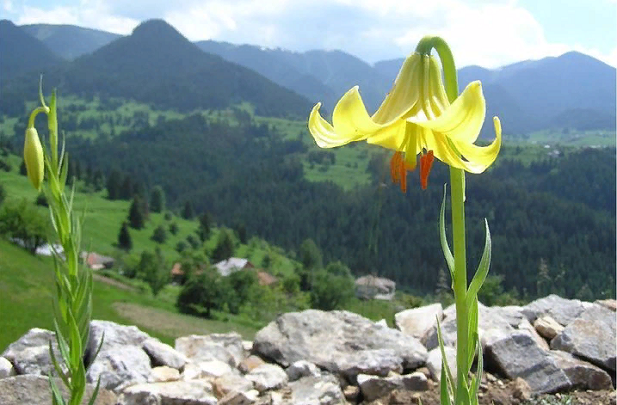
x=173, y=228
x=41, y=200
x=159, y=235
x=23, y=223
x=330, y=292
x=203, y=292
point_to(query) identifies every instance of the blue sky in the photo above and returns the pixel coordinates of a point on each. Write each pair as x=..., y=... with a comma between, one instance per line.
x=489, y=33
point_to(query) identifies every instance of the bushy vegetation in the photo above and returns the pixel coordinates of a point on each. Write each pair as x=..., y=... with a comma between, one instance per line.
x=24, y=224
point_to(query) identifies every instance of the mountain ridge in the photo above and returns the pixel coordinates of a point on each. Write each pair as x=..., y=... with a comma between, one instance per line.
x=158, y=65
x=529, y=95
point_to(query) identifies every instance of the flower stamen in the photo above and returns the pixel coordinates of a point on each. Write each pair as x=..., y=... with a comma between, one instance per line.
x=426, y=162
x=398, y=170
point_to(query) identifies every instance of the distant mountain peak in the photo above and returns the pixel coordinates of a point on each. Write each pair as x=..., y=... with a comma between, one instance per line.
x=156, y=28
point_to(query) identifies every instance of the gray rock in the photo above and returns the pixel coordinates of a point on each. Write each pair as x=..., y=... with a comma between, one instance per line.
x=382, y=323
x=30, y=353
x=582, y=375
x=163, y=355
x=198, y=392
x=503, y=318
x=204, y=369
x=231, y=383
x=373, y=387
x=311, y=390
x=119, y=367
x=610, y=304
x=302, y=368
x=417, y=321
x=560, y=309
x=433, y=362
x=226, y=347
x=338, y=341
x=239, y=398
x=547, y=327
x=517, y=354
x=373, y=362
x=591, y=336
x=250, y=363
x=268, y=377
x=351, y=393
x=6, y=368
x=526, y=326
x=34, y=390
x=113, y=334
x=164, y=374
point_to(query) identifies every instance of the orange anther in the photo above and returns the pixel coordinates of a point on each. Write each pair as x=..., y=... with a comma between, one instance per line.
x=426, y=162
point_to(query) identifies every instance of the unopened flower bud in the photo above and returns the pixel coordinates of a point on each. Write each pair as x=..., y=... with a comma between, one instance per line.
x=33, y=157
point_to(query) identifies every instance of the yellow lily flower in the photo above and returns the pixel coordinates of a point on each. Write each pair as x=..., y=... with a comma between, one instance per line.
x=415, y=117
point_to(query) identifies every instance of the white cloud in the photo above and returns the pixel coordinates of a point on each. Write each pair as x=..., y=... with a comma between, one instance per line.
x=91, y=14
x=489, y=34
x=7, y=5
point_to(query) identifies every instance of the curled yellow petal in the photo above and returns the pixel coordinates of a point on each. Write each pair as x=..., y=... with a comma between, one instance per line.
x=33, y=158
x=463, y=119
x=404, y=95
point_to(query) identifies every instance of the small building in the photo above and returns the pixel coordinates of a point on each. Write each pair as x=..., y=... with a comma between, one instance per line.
x=96, y=261
x=227, y=267
x=231, y=265
x=372, y=287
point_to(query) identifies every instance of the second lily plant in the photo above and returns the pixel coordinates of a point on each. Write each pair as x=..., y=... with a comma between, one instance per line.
x=422, y=116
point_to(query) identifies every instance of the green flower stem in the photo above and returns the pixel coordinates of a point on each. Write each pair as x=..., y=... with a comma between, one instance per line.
x=457, y=190
x=457, y=202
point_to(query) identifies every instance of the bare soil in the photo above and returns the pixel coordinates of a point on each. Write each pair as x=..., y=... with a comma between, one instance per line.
x=501, y=393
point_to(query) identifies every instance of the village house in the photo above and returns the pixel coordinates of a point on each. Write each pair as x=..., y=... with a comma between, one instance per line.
x=96, y=261
x=227, y=267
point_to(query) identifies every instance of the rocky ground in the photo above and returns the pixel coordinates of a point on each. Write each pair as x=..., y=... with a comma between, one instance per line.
x=565, y=348
x=500, y=393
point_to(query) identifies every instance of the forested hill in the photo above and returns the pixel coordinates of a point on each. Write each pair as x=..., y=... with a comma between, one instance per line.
x=21, y=52
x=158, y=66
x=559, y=212
x=70, y=41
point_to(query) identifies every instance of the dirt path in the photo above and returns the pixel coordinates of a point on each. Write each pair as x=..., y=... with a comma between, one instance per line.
x=111, y=281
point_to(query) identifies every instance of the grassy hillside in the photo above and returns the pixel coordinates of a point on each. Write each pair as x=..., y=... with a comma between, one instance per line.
x=26, y=281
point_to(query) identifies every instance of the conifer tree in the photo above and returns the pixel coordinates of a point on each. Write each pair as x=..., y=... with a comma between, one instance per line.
x=126, y=189
x=187, y=211
x=113, y=185
x=224, y=246
x=136, y=216
x=124, y=238
x=204, y=227
x=157, y=199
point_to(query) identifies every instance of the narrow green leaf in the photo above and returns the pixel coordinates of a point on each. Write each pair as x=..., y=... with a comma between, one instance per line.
x=95, y=393
x=445, y=397
x=55, y=392
x=444, y=360
x=57, y=367
x=475, y=386
x=472, y=331
x=482, y=271
x=52, y=123
x=62, y=344
x=98, y=349
x=442, y=235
